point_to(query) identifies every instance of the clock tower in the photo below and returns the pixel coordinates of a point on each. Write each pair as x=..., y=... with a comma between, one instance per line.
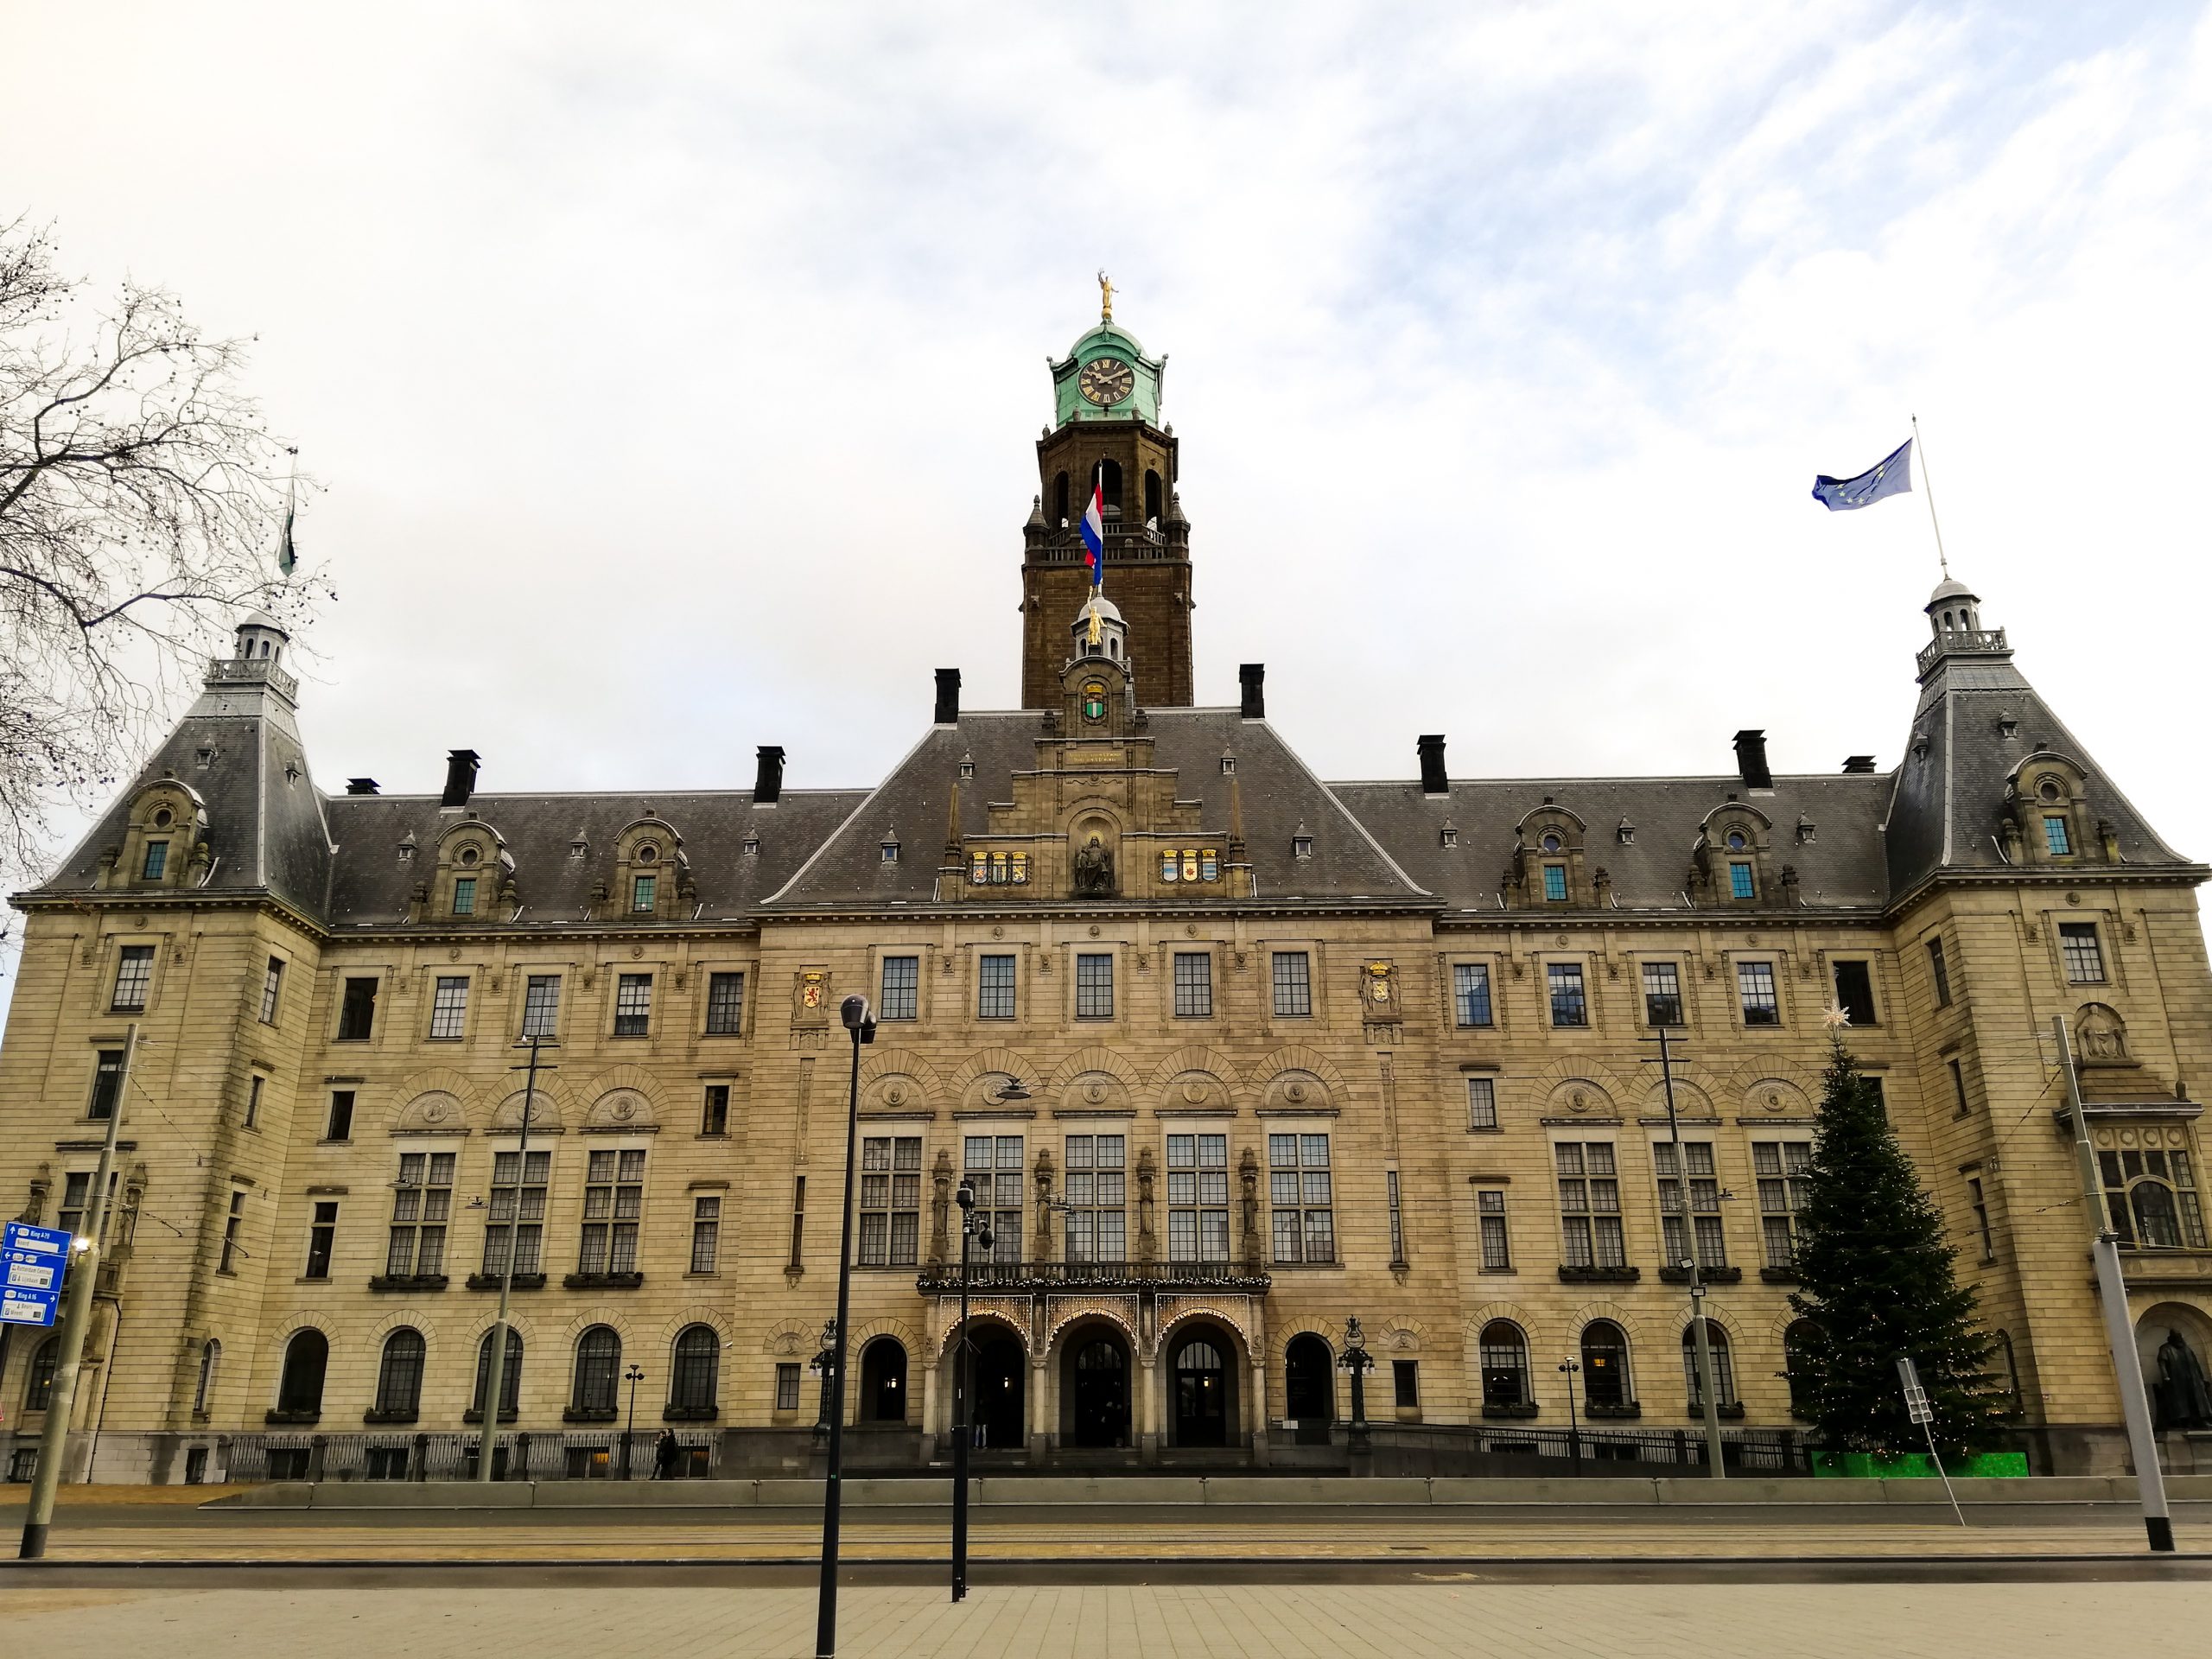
x=1108, y=433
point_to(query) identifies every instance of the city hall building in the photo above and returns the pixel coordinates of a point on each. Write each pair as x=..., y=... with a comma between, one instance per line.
x=1233, y=1055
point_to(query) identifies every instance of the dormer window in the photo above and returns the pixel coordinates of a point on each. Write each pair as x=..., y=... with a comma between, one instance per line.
x=1228, y=765
x=469, y=855
x=890, y=852
x=1554, y=880
x=1737, y=840
x=1806, y=830
x=1740, y=884
x=750, y=847
x=2048, y=789
x=1301, y=845
x=967, y=768
x=2056, y=840
x=648, y=853
x=643, y=888
x=157, y=860
x=464, y=895
x=1625, y=834
x=1449, y=835
x=1551, y=843
x=163, y=819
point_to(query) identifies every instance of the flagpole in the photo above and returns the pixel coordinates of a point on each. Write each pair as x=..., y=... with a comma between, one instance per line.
x=1928, y=479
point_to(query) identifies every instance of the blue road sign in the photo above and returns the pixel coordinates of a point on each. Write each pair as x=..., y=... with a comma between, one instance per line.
x=34, y=1260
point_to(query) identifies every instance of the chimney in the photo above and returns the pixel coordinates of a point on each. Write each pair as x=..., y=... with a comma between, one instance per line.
x=1858, y=763
x=768, y=783
x=1750, y=760
x=1253, y=676
x=460, y=778
x=1433, y=779
x=948, y=696
x=361, y=785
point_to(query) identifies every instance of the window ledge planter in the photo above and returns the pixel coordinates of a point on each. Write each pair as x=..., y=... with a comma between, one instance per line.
x=1599, y=1275
x=491, y=1281
x=474, y=1415
x=409, y=1281
x=1630, y=1411
x=1710, y=1275
x=1779, y=1275
x=593, y=1414
x=1496, y=1413
x=689, y=1414
x=388, y=1416
x=603, y=1280
x=294, y=1419
x=1731, y=1411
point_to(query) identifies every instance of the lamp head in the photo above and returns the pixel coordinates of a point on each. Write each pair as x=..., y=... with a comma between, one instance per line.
x=964, y=1195
x=854, y=1011
x=1012, y=1091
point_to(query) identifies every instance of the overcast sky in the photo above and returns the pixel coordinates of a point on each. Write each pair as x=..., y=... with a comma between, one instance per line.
x=672, y=374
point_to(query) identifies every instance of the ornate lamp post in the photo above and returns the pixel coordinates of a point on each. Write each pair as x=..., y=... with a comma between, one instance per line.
x=634, y=1376
x=859, y=1019
x=974, y=1229
x=1356, y=1360
x=1567, y=1368
x=824, y=1362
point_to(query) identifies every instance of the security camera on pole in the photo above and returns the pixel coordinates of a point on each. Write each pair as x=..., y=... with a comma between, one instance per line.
x=859, y=1019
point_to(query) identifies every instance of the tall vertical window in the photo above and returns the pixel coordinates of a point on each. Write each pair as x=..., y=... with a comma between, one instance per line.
x=994, y=988
x=1739, y=881
x=1405, y=1384
x=1482, y=1103
x=1724, y=1370
x=1569, y=1006
x=232, y=1222
x=1193, y=985
x=1938, y=975
x=422, y=1205
x=695, y=1372
x=107, y=1083
x=510, y=1377
x=1293, y=981
x=2056, y=840
x=1300, y=1194
x=1781, y=1168
x=399, y=1377
x=713, y=1112
x=516, y=1219
x=449, y=1006
x=2153, y=1199
x=1490, y=1211
x=272, y=987
x=706, y=1230
x=992, y=1164
x=1958, y=1085
x=1503, y=1352
x=322, y=1236
x=725, y=1004
x=1589, y=1205
x=799, y=1222
x=599, y=1365
x=1397, y=1218
x=1755, y=985
x=787, y=1388
x=254, y=1085
x=1197, y=1198
x=1094, y=986
x=634, y=1005
x=1689, y=1204
x=134, y=973
x=891, y=1199
x=1096, y=1197
x=541, y=1005
x=1554, y=884
x=1662, y=994
x=339, y=1126
x=1854, y=992
x=157, y=860
x=2085, y=959
x=464, y=895
x=613, y=1199
x=211, y=1363
x=1471, y=993
x=642, y=890
x=902, y=980
x=357, y=1010
x=1979, y=1203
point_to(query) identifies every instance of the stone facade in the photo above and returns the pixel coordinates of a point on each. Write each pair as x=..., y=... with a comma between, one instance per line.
x=1232, y=1055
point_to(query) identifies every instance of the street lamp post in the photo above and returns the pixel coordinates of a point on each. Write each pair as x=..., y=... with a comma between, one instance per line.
x=1356, y=1360
x=974, y=1229
x=859, y=1019
x=495, y=1364
x=1708, y=1397
x=634, y=1376
x=1567, y=1368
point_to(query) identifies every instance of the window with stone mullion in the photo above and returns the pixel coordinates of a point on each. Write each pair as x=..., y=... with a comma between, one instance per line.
x=421, y=1204
x=613, y=1199
x=1781, y=1168
x=1589, y=1205
x=1096, y=1194
x=992, y=1164
x=1702, y=1220
x=1197, y=1198
x=1300, y=1197
x=517, y=1209
x=891, y=1198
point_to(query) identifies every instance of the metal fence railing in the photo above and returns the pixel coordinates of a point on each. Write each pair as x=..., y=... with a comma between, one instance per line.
x=555, y=1454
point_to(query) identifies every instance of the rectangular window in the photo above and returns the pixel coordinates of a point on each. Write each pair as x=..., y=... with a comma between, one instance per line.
x=272, y=987
x=157, y=860
x=1555, y=883
x=706, y=1230
x=1695, y=1213
x=1980, y=1206
x=1299, y=1191
x=356, y=1011
x=1939, y=974
x=1959, y=1086
x=1662, y=994
x=1881, y=1096
x=891, y=1200
x=1854, y=992
x=449, y=1006
x=1294, y=985
x=902, y=983
x=464, y=895
x=322, y=1234
x=1755, y=985
x=614, y=1189
x=1489, y=1210
x=231, y=1225
x=1193, y=985
x=517, y=1212
x=254, y=1085
x=1098, y=1198
x=1397, y=1219
x=1405, y=1384
x=1471, y=993
x=1781, y=1168
x=339, y=1124
x=421, y=1205
x=1197, y=1198
x=725, y=1004
x=1568, y=1005
x=714, y=1114
x=787, y=1388
x=2056, y=840
x=2085, y=958
x=642, y=890
x=634, y=1004
x=1482, y=1102
x=107, y=1083
x=1590, y=1205
x=134, y=973
x=541, y=1005
x=76, y=1194
x=994, y=988
x=799, y=1221
x=1094, y=986
x=1739, y=881
x=992, y=1165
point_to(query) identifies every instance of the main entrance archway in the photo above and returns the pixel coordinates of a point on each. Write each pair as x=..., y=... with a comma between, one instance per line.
x=1098, y=1391
x=1201, y=1383
x=1309, y=1386
x=1000, y=1371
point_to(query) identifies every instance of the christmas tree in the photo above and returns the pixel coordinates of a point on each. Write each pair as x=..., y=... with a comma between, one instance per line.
x=1876, y=1282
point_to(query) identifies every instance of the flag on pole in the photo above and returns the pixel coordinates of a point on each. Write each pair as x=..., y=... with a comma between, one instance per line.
x=1094, y=535
x=1892, y=476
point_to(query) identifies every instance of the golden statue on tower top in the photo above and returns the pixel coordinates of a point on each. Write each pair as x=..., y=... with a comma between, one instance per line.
x=1105, y=299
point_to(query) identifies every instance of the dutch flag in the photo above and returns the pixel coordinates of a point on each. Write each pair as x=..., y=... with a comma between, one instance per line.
x=1094, y=535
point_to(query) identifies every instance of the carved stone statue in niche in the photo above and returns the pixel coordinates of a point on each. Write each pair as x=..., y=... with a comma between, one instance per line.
x=1094, y=869
x=1147, y=1249
x=2181, y=1393
x=941, y=1208
x=2102, y=1034
x=1044, y=1179
x=1248, y=1177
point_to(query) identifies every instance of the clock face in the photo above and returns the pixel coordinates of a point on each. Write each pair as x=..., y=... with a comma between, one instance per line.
x=1106, y=380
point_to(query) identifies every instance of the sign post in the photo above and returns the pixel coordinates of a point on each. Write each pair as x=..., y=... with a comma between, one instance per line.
x=34, y=1260
x=1917, y=1407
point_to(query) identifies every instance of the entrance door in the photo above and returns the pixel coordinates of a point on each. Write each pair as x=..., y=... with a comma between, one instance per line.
x=1101, y=1394
x=1201, y=1395
x=1309, y=1389
x=1000, y=1366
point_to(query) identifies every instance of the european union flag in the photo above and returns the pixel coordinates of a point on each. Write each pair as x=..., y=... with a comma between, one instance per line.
x=1892, y=477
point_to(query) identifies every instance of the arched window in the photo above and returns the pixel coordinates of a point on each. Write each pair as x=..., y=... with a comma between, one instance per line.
x=1724, y=1372
x=599, y=1362
x=307, y=1358
x=1605, y=1366
x=510, y=1376
x=1060, y=500
x=1152, y=497
x=399, y=1377
x=2153, y=1195
x=2157, y=1223
x=1796, y=1367
x=211, y=1358
x=38, y=1381
x=883, y=1382
x=1109, y=486
x=695, y=1372
x=1309, y=1381
x=1505, y=1366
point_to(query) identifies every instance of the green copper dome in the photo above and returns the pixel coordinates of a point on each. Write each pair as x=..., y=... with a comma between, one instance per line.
x=1107, y=376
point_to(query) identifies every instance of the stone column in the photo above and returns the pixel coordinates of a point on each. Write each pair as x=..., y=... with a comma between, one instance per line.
x=930, y=1433
x=1148, y=1435
x=1043, y=1412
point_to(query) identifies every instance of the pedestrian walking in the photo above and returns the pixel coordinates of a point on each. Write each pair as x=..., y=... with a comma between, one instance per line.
x=665, y=1452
